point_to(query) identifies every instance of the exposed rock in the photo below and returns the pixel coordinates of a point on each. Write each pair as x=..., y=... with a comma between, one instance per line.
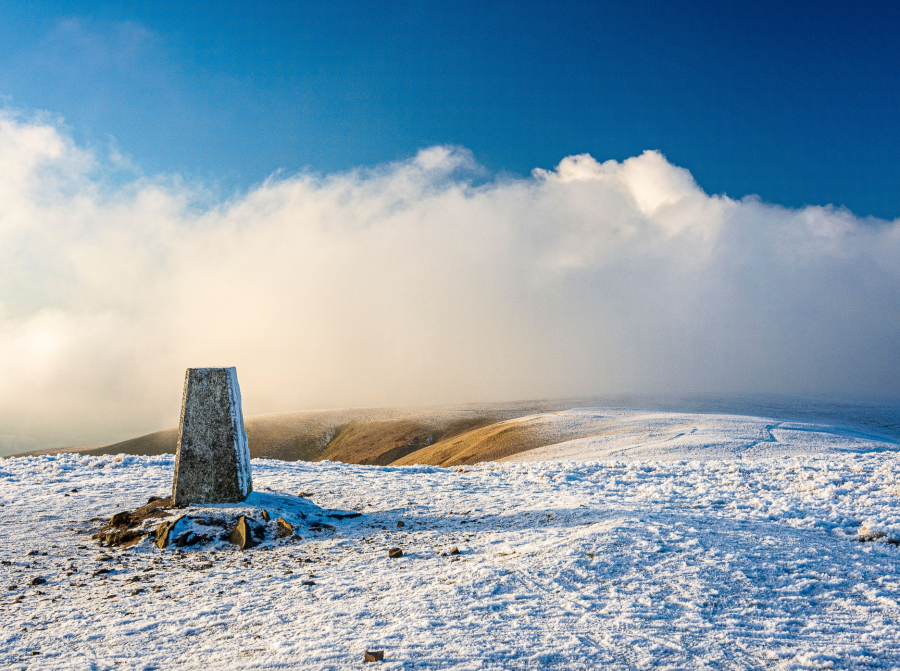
x=265, y=515
x=121, y=529
x=212, y=459
x=162, y=531
x=122, y=519
x=285, y=528
x=124, y=539
x=155, y=507
x=395, y=553
x=242, y=534
x=187, y=538
x=308, y=583
x=454, y=551
x=373, y=656
x=400, y=524
x=37, y=581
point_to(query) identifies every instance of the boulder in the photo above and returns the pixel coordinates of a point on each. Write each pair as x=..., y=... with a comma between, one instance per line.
x=373, y=656
x=125, y=538
x=122, y=519
x=395, y=553
x=212, y=458
x=163, y=530
x=242, y=534
x=285, y=528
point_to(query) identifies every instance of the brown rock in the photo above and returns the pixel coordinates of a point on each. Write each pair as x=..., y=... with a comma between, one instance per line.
x=395, y=553
x=162, y=532
x=400, y=524
x=122, y=519
x=38, y=581
x=265, y=515
x=454, y=551
x=122, y=527
x=242, y=534
x=285, y=528
x=373, y=656
x=125, y=538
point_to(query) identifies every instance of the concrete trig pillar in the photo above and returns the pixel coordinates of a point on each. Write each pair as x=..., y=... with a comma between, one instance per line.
x=212, y=461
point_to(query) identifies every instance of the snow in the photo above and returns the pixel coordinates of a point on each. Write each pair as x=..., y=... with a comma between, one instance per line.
x=644, y=434
x=733, y=558
x=242, y=447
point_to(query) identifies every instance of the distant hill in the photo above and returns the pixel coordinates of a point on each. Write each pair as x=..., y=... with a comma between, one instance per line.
x=466, y=434
x=502, y=439
x=378, y=436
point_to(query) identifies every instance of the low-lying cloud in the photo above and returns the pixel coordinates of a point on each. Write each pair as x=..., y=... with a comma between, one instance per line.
x=417, y=282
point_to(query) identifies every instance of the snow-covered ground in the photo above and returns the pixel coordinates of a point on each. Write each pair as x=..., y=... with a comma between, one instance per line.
x=736, y=561
x=651, y=434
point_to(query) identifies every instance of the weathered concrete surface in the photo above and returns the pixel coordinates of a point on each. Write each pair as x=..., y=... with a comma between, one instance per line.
x=212, y=460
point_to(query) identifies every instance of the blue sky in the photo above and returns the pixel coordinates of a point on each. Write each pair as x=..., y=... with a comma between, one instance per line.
x=796, y=102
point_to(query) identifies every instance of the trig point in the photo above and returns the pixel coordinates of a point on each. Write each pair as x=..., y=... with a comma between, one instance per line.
x=212, y=462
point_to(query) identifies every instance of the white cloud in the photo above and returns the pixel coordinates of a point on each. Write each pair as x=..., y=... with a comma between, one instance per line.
x=407, y=284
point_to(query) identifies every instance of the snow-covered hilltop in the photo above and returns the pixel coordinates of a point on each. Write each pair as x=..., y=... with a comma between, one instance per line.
x=781, y=557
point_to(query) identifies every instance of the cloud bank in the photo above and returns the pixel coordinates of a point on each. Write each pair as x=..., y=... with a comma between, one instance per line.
x=417, y=282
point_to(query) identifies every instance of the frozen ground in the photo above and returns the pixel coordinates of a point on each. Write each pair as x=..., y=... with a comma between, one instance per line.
x=736, y=562
x=649, y=434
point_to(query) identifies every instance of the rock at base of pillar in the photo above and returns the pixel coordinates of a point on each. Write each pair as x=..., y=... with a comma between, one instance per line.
x=212, y=461
x=242, y=534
